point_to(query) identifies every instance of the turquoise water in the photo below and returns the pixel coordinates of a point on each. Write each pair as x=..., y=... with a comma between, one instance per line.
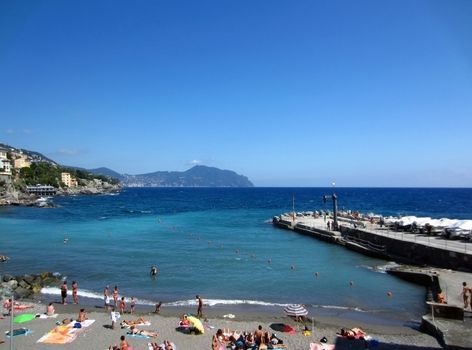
x=219, y=243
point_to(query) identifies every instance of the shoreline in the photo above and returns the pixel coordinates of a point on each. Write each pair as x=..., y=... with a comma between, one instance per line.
x=252, y=311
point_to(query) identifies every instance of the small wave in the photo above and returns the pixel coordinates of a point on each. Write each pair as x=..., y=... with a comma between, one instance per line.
x=91, y=295
x=145, y=211
x=103, y=218
x=384, y=267
x=213, y=302
x=336, y=307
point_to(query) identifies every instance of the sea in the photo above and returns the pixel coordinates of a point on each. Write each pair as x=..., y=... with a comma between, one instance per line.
x=220, y=243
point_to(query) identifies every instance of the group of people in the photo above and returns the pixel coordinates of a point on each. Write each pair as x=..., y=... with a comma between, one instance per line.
x=75, y=292
x=257, y=340
x=118, y=303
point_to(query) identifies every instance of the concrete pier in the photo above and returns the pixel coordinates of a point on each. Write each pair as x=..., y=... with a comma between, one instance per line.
x=441, y=265
x=371, y=239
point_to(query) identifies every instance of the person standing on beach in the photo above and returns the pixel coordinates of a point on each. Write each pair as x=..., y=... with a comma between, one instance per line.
x=64, y=292
x=75, y=289
x=122, y=305
x=132, y=304
x=115, y=296
x=200, y=306
x=114, y=317
x=106, y=295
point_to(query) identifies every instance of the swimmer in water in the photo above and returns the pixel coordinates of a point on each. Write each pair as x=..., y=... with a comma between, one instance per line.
x=154, y=270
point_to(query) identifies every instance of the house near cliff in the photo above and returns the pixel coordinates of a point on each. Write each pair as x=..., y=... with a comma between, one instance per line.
x=69, y=180
x=5, y=165
x=20, y=160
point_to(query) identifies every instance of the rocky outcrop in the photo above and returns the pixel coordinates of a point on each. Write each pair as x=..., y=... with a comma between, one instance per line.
x=27, y=286
x=9, y=195
x=94, y=186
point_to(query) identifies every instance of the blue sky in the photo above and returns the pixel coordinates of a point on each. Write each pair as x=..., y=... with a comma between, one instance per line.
x=288, y=93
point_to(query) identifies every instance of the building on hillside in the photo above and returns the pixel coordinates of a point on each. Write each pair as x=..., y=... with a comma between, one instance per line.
x=5, y=165
x=69, y=180
x=41, y=190
x=21, y=161
x=3, y=153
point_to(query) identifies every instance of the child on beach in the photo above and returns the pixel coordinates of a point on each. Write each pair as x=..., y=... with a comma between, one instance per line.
x=114, y=317
x=50, y=310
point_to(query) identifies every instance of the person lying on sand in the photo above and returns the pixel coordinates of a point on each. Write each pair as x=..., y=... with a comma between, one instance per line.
x=137, y=322
x=135, y=331
x=167, y=345
x=353, y=333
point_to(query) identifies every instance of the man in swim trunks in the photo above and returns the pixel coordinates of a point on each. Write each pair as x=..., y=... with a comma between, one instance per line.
x=200, y=306
x=64, y=292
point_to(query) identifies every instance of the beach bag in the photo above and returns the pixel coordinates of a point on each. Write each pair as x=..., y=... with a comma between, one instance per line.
x=77, y=325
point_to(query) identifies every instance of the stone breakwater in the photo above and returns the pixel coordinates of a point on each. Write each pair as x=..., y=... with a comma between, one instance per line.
x=27, y=286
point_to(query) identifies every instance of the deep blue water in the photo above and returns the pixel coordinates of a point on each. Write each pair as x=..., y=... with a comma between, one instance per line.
x=217, y=243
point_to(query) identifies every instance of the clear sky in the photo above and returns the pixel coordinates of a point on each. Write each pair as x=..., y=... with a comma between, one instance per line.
x=288, y=93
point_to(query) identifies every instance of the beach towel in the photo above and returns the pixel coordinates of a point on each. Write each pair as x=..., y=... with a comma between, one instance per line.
x=19, y=331
x=64, y=334
x=46, y=316
x=137, y=335
x=315, y=346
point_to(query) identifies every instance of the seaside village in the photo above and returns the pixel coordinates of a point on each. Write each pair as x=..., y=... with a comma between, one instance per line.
x=11, y=163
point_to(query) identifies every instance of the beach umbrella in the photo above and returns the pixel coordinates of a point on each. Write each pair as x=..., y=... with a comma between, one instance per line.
x=24, y=318
x=295, y=310
x=196, y=323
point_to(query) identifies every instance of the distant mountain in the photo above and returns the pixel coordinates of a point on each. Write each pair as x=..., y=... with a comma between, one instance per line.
x=106, y=172
x=198, y=176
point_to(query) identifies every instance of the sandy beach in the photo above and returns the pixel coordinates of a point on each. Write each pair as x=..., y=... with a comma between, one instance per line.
x=100, y=336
